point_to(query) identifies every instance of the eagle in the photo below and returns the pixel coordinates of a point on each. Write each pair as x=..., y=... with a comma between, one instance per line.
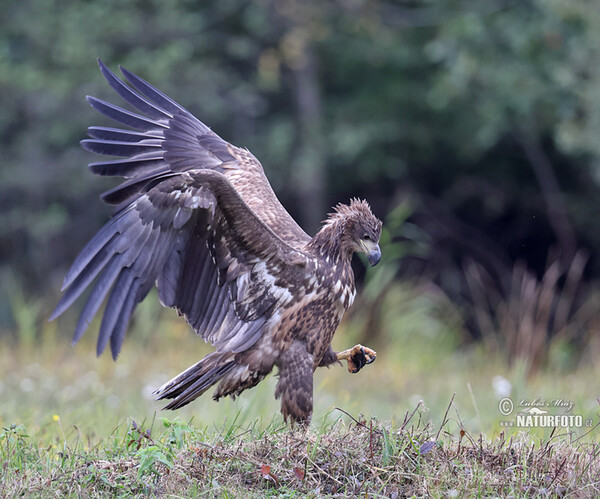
x=197, y=218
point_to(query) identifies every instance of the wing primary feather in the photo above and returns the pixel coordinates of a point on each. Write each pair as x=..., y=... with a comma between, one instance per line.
x=133, y=263
x=151, y=163
x=119, y=134
x=121, y=259
x=115, y=303
x=82, y=281
x=123, y=116
x=94, y=301
x=130, y=96
x=154, y=94
x=146, y=268
x=117, y=225
x=118, y=331
x=120, y=148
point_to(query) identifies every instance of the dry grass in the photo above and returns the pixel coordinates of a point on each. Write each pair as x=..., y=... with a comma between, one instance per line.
x=533, y=314
x=346, y=457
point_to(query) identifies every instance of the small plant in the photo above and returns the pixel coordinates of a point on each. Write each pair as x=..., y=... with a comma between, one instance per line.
x=177, y=432
x=137, y=436
x=13, y=437
x=152, y=455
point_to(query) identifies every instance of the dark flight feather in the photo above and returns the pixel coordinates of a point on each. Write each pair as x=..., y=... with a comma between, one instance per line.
x=123, y=116
x=152, y=93
x=144, y=105
x=109, y=133
x=121, y=148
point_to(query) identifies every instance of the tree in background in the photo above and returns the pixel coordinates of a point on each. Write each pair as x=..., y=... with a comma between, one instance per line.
x=484, y=114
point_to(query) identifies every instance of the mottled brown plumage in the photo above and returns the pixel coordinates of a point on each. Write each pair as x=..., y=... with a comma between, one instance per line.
x=197, y=218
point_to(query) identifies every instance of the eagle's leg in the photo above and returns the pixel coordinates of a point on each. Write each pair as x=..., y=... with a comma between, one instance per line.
x=329, y=358
x=295, y=385
x=357, y=357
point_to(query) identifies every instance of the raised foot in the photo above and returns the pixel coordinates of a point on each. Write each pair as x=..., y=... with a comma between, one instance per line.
x=357, y=357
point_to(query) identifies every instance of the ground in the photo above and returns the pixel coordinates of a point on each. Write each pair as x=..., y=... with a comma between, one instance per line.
x=423, y=419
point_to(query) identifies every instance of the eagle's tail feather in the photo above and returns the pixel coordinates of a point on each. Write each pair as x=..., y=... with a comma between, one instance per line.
x=195, y=380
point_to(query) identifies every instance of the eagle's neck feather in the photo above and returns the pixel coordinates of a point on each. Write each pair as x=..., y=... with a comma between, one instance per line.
x=332, y=242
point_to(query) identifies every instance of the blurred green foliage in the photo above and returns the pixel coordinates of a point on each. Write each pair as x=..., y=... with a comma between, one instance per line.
x=449, y=103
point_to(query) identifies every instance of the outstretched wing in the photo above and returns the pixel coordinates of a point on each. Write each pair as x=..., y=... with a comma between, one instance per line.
x=211, y=257
x=167, y=138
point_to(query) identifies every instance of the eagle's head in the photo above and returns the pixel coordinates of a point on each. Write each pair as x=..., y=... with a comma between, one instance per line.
x=361, y=229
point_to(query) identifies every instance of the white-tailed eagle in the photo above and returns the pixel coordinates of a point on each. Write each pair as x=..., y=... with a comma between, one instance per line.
x=197, y=217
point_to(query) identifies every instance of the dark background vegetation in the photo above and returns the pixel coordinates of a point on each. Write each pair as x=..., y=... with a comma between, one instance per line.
x=480, y=119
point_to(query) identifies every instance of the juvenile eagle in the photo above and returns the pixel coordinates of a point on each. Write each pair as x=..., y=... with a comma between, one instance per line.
x=198, y=218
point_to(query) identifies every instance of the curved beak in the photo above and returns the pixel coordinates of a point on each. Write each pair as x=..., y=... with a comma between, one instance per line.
x=372, y=251
x=374, y=255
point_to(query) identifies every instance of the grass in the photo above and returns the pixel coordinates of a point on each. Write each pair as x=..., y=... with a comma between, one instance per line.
x=359, y=458
x=423, y=420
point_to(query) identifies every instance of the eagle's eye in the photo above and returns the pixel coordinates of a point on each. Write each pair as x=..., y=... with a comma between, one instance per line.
x=366, y=237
